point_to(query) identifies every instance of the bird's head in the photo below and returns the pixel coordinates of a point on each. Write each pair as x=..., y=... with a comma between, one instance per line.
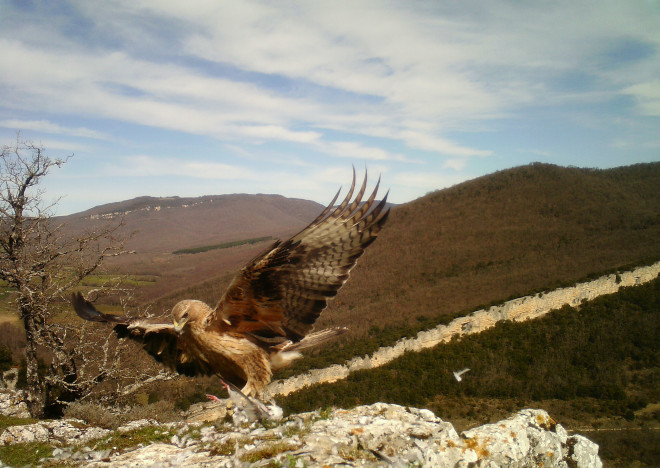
x=188, y=311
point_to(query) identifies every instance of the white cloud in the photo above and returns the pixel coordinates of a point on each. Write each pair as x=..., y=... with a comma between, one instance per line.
x=456, y=164
x=425, y=141
x=116, y=86
x=50, y=127
x=647, y=97
x=150, y=166
x=358, y=151
x=274, y=132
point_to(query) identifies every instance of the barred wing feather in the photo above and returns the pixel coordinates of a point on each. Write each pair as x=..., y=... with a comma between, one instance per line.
x=281, y=293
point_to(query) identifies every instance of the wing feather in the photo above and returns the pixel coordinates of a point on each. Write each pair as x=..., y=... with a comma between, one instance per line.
x=156, y=336
x=279, y=295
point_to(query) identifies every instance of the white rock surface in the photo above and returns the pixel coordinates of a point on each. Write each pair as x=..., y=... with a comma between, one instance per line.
x=376, y=435
x=65, y=431
x=12, y=403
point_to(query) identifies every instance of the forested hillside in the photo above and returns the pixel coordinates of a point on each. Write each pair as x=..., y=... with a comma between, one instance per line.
x=602, y=355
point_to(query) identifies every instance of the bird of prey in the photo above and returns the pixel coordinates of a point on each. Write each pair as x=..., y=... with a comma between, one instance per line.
x=266, y=315
x=458, y=375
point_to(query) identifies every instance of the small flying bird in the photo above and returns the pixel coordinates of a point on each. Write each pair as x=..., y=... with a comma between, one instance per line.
x=458, y=375
x=265, y=317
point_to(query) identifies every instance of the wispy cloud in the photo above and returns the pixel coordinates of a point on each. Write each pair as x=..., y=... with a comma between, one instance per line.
x=150, y=166
x=52, y=128
x=357, y=151
x=647, y=97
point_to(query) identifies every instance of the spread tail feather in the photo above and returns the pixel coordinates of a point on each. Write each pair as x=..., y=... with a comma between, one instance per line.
x=288, y=352
x=314, y=339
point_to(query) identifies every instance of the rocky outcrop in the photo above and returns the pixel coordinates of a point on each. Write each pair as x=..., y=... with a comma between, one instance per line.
x=518, y=310
x=67, y=431
x=12, y=403
x=376, y=435
x=9, y=379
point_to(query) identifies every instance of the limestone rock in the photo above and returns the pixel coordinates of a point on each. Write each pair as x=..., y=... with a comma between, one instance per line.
x=207, y=412
x=377, y=435
x=9, y=379
x=531, y=438
x=12, y=403
x=65, y=431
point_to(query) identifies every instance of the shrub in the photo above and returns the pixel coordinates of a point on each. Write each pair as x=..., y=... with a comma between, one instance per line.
x=162, y=411
x=93, y=414
x=5, y=358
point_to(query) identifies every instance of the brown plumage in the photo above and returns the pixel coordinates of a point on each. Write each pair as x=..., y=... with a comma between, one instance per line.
x=267, y=313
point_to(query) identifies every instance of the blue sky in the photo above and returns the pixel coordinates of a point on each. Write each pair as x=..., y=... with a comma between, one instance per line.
x=208, y=97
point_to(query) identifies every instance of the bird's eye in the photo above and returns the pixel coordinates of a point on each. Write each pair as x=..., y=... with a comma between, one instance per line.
x=185, y=314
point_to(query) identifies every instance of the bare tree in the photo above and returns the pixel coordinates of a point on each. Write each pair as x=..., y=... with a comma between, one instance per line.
x=42, y=264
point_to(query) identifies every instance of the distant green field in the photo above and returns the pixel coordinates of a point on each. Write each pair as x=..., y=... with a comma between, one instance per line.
x=8, y=306
x=128, y=280
x=225, y=245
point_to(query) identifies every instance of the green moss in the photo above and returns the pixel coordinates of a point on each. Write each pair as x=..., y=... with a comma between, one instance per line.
x=6, y=421
x=267, y=451
x=27, y=454
x=228, y=447
x=120, y=441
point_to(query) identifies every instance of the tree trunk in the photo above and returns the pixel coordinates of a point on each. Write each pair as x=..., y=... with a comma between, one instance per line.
x=36, y=398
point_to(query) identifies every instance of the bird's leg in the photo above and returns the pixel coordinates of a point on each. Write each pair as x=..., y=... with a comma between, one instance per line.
x=224, y=384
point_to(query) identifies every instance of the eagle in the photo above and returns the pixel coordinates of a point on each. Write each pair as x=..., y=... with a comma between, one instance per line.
x=266, y=315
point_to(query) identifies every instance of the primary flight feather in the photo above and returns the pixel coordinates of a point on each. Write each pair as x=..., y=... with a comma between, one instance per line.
x=267, y=313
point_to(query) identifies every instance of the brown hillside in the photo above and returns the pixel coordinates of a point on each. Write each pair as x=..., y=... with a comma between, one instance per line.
x=529, y=228
x=499, y=236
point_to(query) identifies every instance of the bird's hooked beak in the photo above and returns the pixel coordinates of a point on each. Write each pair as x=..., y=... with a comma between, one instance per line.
x=178, y=326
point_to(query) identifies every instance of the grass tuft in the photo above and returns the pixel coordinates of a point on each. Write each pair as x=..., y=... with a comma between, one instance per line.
x=26, y=454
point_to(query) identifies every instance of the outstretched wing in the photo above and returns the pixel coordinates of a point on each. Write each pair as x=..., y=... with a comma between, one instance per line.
x=279, y=295
x=156, y=335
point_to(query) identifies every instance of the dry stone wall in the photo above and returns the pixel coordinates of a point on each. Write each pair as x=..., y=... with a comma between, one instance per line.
x=518, y=310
